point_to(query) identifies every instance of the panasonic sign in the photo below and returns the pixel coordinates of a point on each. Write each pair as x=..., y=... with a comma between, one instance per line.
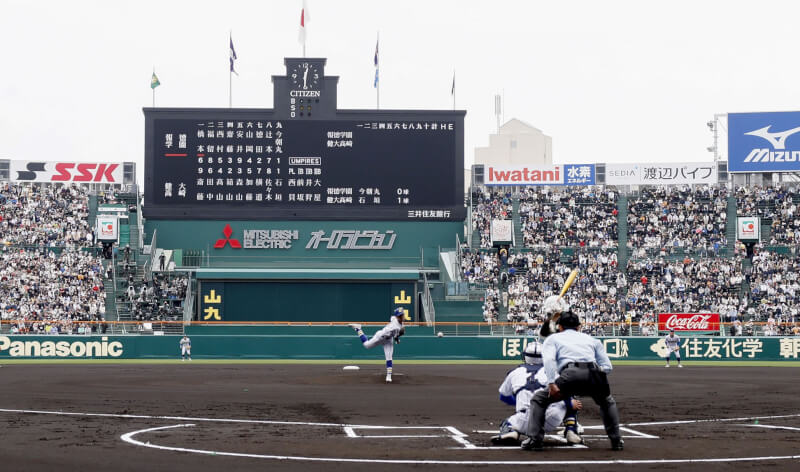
x=764, y=142
x=34, y=348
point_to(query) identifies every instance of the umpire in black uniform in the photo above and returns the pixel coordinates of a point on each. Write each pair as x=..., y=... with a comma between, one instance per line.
x=576, y=364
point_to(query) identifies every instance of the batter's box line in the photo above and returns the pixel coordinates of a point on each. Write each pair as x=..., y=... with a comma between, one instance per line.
x=450, y=432
x=632, y=433
x=770, y=426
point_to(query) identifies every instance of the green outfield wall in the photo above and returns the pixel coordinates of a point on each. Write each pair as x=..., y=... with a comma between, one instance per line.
x=418, y=343
x=309, y=243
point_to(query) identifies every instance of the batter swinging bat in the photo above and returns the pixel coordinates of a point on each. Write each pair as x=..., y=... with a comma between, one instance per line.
x=572, y=276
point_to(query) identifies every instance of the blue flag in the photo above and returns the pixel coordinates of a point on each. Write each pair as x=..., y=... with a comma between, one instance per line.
x=375, y=85
x=233, y=57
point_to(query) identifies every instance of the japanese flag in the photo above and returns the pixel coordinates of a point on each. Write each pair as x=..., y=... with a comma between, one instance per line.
x=303, y=20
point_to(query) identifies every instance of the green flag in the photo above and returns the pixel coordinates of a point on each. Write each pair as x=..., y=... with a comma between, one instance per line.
x=154, y=81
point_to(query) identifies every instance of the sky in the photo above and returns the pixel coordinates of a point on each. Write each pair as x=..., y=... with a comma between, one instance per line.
x=609, y=81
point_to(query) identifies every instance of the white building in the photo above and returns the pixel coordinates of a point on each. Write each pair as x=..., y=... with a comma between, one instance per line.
x=516, y=143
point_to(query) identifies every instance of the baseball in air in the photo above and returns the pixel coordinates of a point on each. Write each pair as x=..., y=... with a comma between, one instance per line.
x=440, y=334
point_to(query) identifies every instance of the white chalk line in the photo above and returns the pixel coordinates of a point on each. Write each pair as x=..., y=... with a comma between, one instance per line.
x=633, y=434
x=129, y=438
x=770, y=426
x=713, y=420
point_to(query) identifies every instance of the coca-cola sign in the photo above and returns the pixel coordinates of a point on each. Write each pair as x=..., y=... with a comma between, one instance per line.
x=688, y=321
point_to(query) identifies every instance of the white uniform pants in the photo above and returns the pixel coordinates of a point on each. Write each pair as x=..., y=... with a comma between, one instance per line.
x=388, y=345
x=553, y=417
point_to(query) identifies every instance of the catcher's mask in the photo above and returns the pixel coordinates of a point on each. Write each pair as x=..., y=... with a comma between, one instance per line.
x=532, y=353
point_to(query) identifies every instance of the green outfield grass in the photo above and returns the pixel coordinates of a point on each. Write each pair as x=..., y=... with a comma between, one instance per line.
x=376, y=362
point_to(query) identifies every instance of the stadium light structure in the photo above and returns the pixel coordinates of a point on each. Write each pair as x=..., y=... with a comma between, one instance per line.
x=713, y=126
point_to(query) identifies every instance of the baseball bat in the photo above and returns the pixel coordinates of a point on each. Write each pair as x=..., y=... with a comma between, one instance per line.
x=572, y=276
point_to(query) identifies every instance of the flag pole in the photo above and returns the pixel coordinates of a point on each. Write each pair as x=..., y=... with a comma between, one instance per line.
x=230, y=74
x=454, y=89
x=377, y=69
x=303, y=25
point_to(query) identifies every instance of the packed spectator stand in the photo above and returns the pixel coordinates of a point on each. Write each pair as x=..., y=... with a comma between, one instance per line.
x=657, y=250
x=51, y=273
x=679, y=256
x=54, y=278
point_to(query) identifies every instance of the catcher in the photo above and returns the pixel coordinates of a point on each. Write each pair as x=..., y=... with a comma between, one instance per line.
x=518, y=389
x=673, y=344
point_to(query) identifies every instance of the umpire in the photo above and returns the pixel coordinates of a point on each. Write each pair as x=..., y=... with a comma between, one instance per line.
x=580, y=362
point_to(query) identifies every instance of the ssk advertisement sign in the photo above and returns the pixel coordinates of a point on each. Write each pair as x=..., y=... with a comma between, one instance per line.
x=63, y=171
x=764, y=142
x=688, y=321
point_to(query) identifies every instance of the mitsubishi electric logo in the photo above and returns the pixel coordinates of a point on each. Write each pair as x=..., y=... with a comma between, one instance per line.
x=778, y=143
x=227, y=231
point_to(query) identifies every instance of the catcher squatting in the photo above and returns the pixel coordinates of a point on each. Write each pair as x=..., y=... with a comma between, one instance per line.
x=567, y=364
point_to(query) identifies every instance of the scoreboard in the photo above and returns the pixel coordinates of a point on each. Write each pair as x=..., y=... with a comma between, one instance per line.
x=304, y=159
x=221, y=164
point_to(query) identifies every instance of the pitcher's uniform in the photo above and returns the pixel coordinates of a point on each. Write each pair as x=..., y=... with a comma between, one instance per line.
x=385, y=337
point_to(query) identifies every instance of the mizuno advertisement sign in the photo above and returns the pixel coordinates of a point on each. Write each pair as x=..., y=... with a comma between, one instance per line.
x=764, y=142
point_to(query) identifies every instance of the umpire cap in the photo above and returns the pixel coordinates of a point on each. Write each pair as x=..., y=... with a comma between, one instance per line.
x=569, y=320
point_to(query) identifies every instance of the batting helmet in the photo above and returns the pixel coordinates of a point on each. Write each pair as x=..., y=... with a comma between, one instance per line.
x=399, y=312
x=532, y=353
x=569, y=320
x=554, y=304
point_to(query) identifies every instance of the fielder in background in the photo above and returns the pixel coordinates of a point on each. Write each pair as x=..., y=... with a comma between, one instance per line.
x=673, y=343
x=186, y=348
x=519, y=387
x=386, y=336
x=574, y=364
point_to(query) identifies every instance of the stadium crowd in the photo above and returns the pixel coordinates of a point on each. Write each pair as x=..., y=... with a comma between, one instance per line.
x=777, y=205
x=49, y=216
x=774, y=287
x=656, y=279
x=572, y=216
x=51, y=277
x=666, y=218
x=685, y=286
x=51, y=292
x=159, y=300
x=487, y=206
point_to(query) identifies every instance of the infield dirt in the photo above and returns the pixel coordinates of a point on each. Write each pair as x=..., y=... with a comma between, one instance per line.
x=319, y=399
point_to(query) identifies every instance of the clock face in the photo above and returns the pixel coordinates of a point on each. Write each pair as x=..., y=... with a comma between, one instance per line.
x=305, y=76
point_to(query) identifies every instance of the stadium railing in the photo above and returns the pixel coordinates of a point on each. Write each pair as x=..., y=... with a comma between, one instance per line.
x=450, y=328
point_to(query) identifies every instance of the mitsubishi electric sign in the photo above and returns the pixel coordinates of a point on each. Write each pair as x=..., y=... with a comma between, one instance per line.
x=764, y=142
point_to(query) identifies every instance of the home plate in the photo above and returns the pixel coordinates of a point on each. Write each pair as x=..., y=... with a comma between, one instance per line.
x=351, y=367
